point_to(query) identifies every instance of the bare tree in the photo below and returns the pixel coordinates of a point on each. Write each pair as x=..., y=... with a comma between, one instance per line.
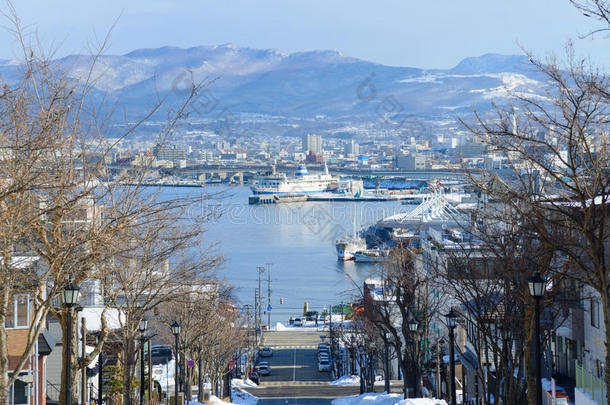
x=405, y=298
x=558, y=187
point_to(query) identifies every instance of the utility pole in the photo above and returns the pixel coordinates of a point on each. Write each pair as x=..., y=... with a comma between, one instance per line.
x=268, y=296
x=260, y=270
x=255, y=317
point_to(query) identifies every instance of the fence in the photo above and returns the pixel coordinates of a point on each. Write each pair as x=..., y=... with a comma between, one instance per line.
x=595, y=387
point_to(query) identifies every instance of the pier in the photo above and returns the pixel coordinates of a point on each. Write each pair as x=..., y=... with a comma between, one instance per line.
x=286, y=198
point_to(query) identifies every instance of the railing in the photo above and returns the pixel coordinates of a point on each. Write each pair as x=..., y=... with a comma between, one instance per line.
x=593, y=386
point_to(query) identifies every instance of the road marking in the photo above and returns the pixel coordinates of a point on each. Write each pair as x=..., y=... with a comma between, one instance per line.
x=294, y=366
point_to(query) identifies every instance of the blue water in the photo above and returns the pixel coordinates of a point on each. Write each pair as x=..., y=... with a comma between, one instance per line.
x=298, y=239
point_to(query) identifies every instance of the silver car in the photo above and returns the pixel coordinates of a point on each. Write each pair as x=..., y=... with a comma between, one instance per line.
x=324, y=365
x=264, y=369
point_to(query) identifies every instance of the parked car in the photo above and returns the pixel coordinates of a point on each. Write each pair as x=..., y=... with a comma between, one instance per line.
x=323, y=356
x=263, y=368
x=298, y=322
x=266, y=352
x=322, y=346
x=324, y=365
x=253, y=376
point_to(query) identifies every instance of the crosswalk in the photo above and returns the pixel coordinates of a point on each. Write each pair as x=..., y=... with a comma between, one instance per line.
x=291, y=383
x=286, y=347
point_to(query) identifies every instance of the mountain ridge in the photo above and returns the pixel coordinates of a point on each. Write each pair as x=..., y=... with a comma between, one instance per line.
x=299, y=84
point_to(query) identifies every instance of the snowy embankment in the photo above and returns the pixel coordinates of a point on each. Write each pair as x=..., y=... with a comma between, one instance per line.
x=347, y=380
x=385, y=399
x=239, y=398
x=239, y=383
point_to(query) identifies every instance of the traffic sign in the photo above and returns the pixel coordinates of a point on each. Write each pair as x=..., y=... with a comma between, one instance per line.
x=269, y=308
x=190, y=363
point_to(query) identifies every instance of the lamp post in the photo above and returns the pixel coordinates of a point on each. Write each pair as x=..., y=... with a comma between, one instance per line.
x=176, y=332
x=100, y=374
x=451, y=319
x=69, y=298
x=413, y=328
x=536, y=286
x=386, y=342
x=142, y=328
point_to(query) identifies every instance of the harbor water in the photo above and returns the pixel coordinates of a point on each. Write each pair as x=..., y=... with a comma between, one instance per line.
x=296, y=239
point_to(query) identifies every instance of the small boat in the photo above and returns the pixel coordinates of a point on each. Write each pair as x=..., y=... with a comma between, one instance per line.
x=347, y=247
x=370, y=256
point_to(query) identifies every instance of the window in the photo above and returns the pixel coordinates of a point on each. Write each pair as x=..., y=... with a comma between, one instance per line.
x=18, y=315
x=594, y=313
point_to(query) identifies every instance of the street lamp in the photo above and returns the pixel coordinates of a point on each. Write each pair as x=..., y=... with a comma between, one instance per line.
x=142, y=328
x=176, y=331
x=451, y=319
x=386, y=343
x=69, y=298
x=537, y=286
x=413, y=328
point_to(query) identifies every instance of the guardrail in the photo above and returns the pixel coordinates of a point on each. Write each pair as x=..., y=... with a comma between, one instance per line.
x=595, y=387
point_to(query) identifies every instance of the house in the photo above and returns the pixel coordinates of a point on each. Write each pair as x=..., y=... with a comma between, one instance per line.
x=30, y=387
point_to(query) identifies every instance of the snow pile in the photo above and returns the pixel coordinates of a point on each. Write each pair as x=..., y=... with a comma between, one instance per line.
x=279, y=326
x=347, y=380
x=242, y=398
x=239, y=383
x=385, y=399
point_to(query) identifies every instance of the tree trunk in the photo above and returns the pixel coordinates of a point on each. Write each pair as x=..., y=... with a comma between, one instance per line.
x=64, y=364
x=128, y=370
x=4, y=388
x=605, y=299
x=530, y=374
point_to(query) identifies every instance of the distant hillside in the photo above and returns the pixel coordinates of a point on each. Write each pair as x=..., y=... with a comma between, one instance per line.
x=304, y=84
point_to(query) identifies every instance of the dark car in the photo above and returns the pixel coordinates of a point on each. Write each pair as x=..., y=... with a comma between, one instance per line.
x=253, y=376
x=311, y=315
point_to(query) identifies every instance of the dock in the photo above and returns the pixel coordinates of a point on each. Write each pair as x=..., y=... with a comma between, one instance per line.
x=276, y=198
x=323, y=197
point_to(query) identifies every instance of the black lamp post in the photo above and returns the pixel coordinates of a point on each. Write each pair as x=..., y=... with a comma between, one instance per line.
x=142, y=328
x=536, y=286
x=100, y=374
x=176, y=332
x=69, y=298
x=451, y=319
x=413, y=329
x=386, y=342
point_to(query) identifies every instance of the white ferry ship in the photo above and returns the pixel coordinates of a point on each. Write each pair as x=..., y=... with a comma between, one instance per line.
x=302, y=182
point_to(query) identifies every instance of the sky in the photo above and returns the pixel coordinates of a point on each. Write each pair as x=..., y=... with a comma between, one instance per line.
x=424, y=34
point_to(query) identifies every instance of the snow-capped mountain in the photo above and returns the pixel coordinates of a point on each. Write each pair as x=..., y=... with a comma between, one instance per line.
x=303, y=84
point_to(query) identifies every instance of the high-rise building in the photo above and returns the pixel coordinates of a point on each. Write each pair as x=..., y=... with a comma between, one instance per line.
x=351, y=148
x=166, y=152
x=312, y=143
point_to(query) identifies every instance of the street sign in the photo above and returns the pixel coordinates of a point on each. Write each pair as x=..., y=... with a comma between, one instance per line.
x=190, y=363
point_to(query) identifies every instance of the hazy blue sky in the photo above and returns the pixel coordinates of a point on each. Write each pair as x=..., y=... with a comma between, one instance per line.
x=428, y=33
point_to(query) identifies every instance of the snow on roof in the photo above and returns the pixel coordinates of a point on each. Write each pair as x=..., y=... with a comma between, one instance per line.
x=433, y=209
x=23, y=262
x=93, y=315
